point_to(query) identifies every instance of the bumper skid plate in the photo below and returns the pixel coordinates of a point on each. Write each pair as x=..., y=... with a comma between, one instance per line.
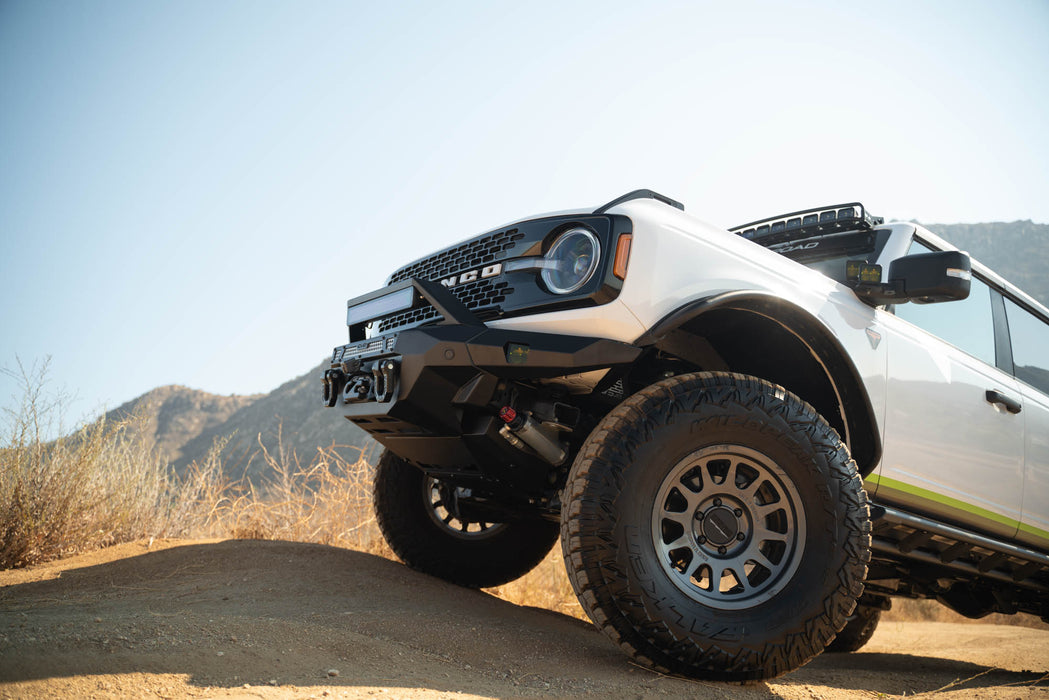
x=428, y=393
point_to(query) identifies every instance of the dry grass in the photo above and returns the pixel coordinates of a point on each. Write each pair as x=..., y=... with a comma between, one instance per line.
x=327, y=501
x=99, y=486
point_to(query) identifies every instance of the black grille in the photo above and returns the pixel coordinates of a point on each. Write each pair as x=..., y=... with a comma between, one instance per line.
x=408, y=318
x=476, y=296
x=475, y=253
x=483, y=295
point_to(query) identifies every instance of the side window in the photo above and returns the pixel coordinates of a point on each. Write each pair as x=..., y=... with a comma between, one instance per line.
x=1030, y=340
x=966, y=324
x=919, y=247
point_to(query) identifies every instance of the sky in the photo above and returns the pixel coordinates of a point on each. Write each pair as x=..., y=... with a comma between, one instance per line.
x=190, y=191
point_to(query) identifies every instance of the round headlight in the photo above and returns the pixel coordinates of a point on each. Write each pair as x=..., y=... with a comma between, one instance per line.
x=571, y=261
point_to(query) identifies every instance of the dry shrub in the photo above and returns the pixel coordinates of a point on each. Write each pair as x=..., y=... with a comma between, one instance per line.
x=102, y=485
x=327, y=502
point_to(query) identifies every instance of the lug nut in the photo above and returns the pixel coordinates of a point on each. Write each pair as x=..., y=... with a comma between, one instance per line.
x=717, y=502
x=701, y=539
x=721, y=550
x=699, y=516
x=740, y=536
x=738, y=512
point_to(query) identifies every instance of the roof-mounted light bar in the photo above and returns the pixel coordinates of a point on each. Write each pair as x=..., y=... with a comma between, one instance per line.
x=809, y=222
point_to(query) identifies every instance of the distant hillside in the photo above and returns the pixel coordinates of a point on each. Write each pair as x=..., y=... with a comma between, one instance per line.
x=296, y=407
x=184, y=423
x=176, y=415
x=1018, y=250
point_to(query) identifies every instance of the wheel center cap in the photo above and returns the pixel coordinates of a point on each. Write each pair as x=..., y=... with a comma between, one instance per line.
x=720, y=526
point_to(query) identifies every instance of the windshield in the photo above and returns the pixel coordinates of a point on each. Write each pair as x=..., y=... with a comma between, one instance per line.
x=829, y=254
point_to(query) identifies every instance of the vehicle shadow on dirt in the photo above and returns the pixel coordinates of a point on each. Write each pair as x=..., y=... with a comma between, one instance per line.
x=908, y=674
x=243, y=612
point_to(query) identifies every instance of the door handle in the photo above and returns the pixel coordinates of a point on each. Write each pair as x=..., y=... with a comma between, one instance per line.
x=997, y=397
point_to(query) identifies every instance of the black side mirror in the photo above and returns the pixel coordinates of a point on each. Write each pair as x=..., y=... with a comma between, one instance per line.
x=923, y=278
x=927, y=278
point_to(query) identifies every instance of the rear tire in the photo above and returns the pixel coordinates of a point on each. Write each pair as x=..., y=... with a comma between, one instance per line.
x=857, y=631
x=714, y=525
x=419, y=519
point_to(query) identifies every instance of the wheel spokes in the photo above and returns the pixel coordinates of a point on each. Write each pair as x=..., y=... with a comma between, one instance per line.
x=762, y=512
x=680, y=542
x=754, y=554
x=764, y=534
x=726, y=527
x=443, y=501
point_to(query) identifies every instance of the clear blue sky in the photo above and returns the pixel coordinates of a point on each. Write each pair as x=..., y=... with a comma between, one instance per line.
x=190, y=191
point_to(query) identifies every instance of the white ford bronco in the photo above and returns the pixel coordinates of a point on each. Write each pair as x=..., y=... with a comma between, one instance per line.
x=748, y=440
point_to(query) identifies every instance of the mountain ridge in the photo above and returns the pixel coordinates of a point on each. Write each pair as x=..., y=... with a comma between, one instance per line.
x=1016, y=250
x=175, y=414
x=184, y=424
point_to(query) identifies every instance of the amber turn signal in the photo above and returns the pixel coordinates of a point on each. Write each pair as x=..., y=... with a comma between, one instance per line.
x=622, y=255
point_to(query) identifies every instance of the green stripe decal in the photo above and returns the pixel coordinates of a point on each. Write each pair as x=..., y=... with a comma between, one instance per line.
x=954, y=503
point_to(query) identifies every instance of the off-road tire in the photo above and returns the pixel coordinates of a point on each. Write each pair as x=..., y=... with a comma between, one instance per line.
x=506, y=551
x=611, y=549
x=857, y=631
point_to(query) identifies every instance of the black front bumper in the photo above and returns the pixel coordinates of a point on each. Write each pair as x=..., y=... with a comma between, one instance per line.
x=431, y=395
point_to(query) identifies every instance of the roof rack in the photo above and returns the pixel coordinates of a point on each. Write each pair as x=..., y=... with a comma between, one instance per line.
x=809, y=222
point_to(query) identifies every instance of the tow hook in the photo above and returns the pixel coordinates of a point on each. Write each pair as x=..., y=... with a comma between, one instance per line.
x=384, y=374
x=332, y=386
x=522, y=428
x=377, y=383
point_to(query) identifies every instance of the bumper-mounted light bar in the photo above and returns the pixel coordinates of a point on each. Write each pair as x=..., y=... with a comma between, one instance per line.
x=402, y=295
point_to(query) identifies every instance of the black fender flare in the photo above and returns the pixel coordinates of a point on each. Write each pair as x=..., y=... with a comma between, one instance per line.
x=863, y=436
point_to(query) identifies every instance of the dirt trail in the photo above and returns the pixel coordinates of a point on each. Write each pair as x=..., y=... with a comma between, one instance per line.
x=271, y=619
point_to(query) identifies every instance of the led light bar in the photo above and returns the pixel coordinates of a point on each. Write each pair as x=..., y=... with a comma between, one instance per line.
x=809, y=222
x=380, y=306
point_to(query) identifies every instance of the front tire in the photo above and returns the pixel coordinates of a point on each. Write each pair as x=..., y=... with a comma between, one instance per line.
x=421, y=522
x=714, y=525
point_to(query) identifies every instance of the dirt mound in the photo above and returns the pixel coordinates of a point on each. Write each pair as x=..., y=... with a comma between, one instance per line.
x=281, y=619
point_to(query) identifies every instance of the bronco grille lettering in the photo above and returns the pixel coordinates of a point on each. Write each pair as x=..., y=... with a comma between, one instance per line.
x=473, y=275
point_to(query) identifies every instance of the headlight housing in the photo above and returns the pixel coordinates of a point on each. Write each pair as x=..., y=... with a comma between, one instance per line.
x=571, y=261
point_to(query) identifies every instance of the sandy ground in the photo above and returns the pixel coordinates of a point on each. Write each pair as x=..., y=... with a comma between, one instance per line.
x=278, y=619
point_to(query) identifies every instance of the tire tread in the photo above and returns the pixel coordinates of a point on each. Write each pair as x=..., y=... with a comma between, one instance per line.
x=597, y=478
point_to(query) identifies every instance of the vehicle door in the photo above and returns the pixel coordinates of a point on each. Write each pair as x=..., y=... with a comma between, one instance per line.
x=1029, y=342
x=954, y=430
